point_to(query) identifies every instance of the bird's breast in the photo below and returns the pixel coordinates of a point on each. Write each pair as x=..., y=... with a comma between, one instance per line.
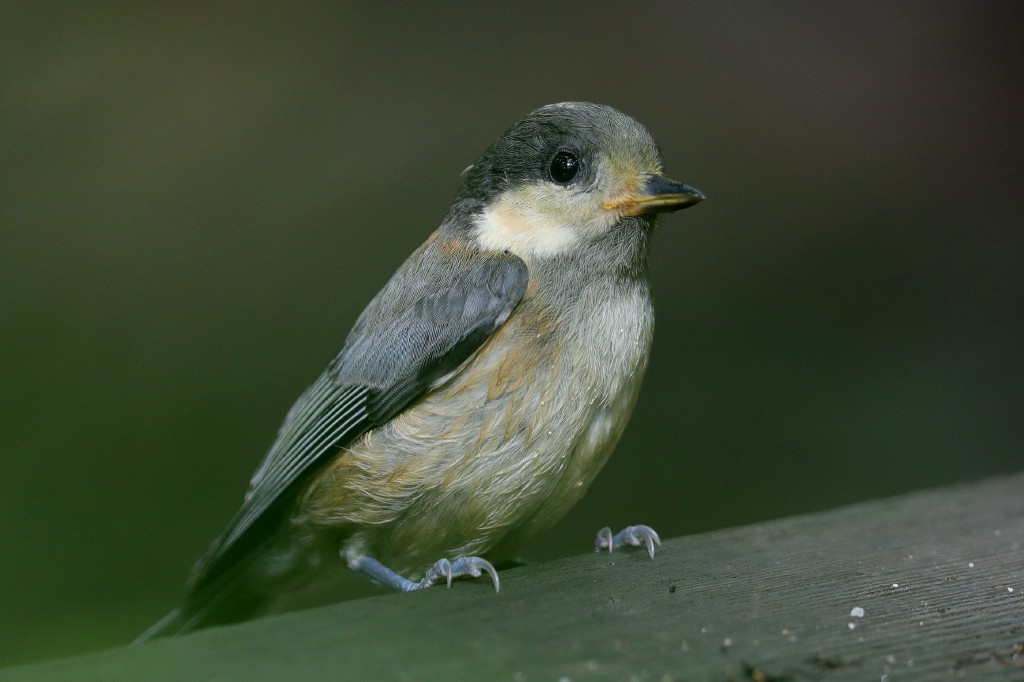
x=508, y=443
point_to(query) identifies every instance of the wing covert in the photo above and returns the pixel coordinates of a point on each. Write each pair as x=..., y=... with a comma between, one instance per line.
x=433, y=314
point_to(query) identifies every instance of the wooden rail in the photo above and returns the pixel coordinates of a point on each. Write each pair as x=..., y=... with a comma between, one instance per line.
x=920, y=587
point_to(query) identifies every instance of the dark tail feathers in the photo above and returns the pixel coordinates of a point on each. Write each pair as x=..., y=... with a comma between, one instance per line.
x=213, y=605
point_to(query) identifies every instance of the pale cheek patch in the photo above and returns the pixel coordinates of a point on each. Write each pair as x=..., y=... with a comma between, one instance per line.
x=507, y=226
x=533, y=221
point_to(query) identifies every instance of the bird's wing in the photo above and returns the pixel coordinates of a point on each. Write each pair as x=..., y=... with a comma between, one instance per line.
x=436, y=311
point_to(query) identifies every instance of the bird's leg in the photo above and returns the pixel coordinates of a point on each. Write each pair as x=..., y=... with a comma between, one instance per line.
x=631, y=536
x=442, y=571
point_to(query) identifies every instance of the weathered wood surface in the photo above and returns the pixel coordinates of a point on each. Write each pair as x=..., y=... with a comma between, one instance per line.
x=939, y=576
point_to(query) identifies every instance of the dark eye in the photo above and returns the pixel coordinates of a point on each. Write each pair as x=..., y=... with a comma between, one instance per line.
x=564, y=168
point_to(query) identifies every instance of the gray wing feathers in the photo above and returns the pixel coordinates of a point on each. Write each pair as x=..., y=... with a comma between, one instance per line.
x=430, y=318
x=405, y=346
x=323, y=417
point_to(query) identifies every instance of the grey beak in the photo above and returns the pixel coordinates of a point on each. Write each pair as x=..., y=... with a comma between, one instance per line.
x=662, y=195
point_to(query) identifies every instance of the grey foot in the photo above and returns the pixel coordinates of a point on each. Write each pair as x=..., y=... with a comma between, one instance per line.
x=442, y=570
x=631, y=536
x=472, y=566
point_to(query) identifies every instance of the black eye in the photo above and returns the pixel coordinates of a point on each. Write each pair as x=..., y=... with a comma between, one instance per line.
x=564, y=168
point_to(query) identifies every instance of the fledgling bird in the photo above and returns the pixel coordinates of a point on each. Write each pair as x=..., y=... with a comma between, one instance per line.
x=481, y=390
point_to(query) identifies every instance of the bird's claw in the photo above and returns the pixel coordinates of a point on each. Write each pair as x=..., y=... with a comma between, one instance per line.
x=631, y=536
x=472, y=566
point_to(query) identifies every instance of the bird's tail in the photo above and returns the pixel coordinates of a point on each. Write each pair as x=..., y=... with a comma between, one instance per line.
x=213, y=604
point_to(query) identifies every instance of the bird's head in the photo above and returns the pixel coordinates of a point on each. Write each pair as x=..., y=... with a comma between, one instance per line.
x=566, y=176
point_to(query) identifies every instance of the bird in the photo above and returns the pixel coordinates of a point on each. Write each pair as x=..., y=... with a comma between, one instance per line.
x=479, y=392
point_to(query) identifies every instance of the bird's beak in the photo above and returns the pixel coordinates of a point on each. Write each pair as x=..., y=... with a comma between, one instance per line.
x=658, y=194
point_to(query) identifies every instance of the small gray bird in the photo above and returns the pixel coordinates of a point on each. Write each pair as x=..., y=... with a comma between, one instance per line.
x=480, y=391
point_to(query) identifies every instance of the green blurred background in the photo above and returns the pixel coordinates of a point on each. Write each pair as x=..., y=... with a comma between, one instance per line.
x=198, y=199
